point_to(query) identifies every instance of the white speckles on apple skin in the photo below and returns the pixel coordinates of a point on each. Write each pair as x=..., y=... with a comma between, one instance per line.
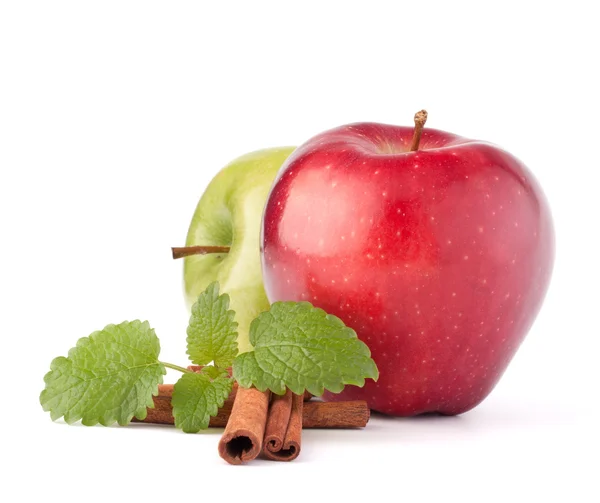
x=413, y=257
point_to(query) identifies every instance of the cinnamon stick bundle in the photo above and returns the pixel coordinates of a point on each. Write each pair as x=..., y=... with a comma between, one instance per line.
x=253, y=426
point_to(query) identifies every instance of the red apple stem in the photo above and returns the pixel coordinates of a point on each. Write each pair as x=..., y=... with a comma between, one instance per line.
x=420, y=120
x=198, y=250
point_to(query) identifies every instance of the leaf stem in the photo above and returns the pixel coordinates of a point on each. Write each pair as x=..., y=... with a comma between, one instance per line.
x=177, y=367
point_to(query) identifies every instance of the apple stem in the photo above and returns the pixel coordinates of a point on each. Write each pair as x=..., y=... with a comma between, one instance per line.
x=198, y=250
x=420, y=120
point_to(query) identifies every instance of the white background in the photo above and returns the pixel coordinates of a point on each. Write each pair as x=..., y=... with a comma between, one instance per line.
x=115, y=115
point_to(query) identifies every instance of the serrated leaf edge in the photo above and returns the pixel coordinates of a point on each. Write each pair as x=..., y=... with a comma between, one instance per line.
x=111, y=419
x=214, y=290
x=348, y=332
x=212, y=409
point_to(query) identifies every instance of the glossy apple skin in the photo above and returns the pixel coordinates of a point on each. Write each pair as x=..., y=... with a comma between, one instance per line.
x=439, y=259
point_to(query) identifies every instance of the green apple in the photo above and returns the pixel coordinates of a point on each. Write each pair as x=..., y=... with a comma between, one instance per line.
x=229, y=214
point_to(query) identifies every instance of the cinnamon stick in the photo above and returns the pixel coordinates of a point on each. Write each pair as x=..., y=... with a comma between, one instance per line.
x=351, y=414
x=277, y=422
x=245, y=430
x=284, y=427
x=354, y=414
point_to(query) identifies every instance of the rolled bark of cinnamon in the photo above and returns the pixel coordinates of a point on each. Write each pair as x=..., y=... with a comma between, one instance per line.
x=277, y=421
x=243, y=437
x=352, y=414
x=283, y=433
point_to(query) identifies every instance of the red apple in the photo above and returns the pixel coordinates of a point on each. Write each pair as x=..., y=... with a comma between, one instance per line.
x=438, y=258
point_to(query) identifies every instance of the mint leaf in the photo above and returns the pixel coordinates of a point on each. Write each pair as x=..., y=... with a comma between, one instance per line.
x=214, y=372
x=108, y=377
x=302, y=347
x=212, y=331
x=196, y=398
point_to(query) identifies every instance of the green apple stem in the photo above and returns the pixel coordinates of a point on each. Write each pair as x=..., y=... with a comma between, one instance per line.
x=198, y=250
x=420, y=120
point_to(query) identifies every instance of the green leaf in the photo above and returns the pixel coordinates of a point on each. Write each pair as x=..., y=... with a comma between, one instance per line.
x=302, y=348
x=212, y=331
x=108, y=377
x=214, y=372
x=196, y=398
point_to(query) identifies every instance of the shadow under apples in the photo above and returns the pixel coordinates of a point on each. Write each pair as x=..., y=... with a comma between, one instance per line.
x=436, y=428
